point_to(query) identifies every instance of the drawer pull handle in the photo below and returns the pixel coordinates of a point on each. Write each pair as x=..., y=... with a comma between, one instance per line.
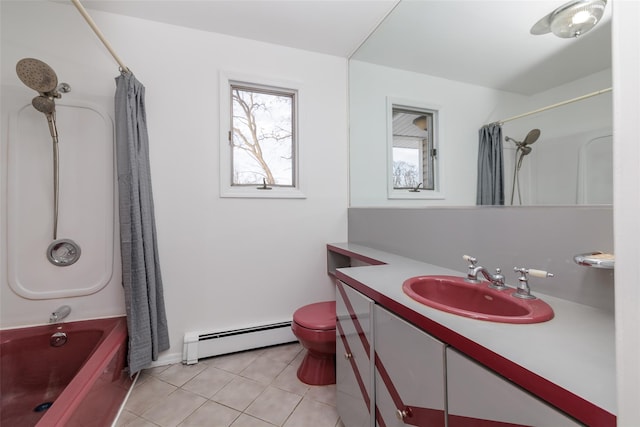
x=348, y=356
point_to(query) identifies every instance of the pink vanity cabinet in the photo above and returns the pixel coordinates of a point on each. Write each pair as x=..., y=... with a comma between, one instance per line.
x=409, y=374
x=478, y=397
x=354, y=356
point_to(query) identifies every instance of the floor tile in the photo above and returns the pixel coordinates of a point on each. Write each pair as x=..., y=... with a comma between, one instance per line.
x=288, y=380
x=179, y=374
x=312, y=413
x=325, y=394
x=209, y=382
x=285, y=353
x=249, y=421
x=233, y=363
x=263, y=370
x=211, y=414
x=239, y=393
x=174, y=408
x=274, y=405
x=125, y=418
x=148, y=394
x=298, y=360
x=215, y=392
x=140, y=422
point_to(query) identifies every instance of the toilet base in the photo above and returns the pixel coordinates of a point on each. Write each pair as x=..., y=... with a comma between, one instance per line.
x=318, y=368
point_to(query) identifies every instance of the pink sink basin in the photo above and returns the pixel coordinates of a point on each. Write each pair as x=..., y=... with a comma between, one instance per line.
x=477, y=301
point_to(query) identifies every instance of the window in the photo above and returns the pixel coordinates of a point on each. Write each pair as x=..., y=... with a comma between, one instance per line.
x=413, y=167
x=259, y=150
x=413, y=152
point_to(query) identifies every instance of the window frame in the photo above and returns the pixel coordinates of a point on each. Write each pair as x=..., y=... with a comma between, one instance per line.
x=437, y=114
x=227, y=188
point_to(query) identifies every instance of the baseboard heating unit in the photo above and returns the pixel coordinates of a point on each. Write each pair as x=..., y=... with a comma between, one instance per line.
x=198, y=345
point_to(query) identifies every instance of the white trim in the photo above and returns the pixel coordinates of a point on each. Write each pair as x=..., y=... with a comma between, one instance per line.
x=226, y=189
x=437, y=193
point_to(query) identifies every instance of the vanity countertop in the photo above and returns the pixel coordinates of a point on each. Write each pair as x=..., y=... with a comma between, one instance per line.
x=568, y=361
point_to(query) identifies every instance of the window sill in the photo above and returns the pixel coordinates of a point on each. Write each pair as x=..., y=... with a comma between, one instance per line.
x=419, y=195
x=254, y=193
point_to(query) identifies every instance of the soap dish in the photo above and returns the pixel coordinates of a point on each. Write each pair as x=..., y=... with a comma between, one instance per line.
x=596, y=259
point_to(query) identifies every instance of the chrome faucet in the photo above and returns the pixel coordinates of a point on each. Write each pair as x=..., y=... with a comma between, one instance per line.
x=524, y=291
x=60, y=314
x=496, y=280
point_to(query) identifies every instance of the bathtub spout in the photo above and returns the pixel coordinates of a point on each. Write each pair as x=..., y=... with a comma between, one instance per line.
x=60, y=314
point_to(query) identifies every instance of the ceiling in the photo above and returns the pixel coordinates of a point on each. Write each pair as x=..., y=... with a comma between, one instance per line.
x=481, y=42
x=487, y=43
x=334, y=27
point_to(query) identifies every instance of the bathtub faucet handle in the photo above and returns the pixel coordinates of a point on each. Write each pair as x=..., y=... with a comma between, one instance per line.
x=60, y=314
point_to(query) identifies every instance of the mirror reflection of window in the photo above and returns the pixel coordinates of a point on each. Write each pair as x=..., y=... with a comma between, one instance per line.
x=413, y=149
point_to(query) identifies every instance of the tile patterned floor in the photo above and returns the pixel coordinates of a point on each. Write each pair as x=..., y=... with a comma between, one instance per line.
x=256, y=388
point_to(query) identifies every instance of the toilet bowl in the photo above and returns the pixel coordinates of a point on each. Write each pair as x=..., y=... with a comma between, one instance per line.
x=315, y=327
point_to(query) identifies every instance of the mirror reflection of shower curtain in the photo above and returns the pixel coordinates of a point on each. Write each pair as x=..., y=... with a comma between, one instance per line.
x=141, y=278
x=490, y=188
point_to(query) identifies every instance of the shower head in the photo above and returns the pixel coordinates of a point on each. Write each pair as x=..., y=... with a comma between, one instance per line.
x=44, y=104
x=531, y=137
x=37, y=75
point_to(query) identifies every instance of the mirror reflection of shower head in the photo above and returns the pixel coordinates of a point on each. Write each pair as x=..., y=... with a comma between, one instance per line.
x=531, y=137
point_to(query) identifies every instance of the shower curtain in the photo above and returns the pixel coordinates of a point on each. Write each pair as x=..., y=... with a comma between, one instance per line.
x=141, y=279
x=490, y=166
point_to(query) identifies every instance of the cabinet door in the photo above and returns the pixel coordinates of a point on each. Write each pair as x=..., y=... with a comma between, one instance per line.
x=354, y=365
x=409, y=374
x=479, y=397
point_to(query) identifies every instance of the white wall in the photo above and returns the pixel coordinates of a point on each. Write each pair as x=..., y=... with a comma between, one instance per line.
x=226, y=263
x=464, y=107
x=549, y=174
x=626, y=72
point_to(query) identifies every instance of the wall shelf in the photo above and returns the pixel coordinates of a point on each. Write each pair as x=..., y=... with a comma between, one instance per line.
x=596, y=259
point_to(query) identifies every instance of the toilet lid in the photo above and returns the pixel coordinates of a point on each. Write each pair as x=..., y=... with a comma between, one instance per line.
x=320, y=316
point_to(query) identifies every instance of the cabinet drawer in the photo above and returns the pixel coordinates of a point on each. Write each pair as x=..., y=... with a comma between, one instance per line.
x=354, y=365
x=409, y=373
x=479, y=397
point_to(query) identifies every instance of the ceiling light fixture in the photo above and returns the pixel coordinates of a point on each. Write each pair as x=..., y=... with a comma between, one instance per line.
x=572, y=19
x=420, y=122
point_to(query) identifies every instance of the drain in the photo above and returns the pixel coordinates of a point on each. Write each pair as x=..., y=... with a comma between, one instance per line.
x=42, y=407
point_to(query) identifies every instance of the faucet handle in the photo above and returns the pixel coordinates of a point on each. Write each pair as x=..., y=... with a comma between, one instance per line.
x=539, y=273
x=471, y=260
x=524, y=291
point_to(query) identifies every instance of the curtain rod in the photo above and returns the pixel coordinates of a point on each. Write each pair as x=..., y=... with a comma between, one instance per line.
x=96, y=30
x=559, y=104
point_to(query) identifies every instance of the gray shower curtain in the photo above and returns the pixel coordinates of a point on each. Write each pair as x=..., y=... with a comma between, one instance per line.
x=141, y=278
x=490, y=166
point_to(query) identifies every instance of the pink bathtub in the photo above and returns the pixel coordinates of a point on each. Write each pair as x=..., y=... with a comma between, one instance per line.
x=81, y=383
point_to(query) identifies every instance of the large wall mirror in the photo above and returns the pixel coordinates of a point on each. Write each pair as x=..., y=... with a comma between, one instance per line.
x=477, y=61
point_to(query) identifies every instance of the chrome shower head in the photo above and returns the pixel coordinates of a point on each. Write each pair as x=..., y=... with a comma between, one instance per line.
x=37, y=75
x=44, y=104
x=531, y=137
x=525, y=150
